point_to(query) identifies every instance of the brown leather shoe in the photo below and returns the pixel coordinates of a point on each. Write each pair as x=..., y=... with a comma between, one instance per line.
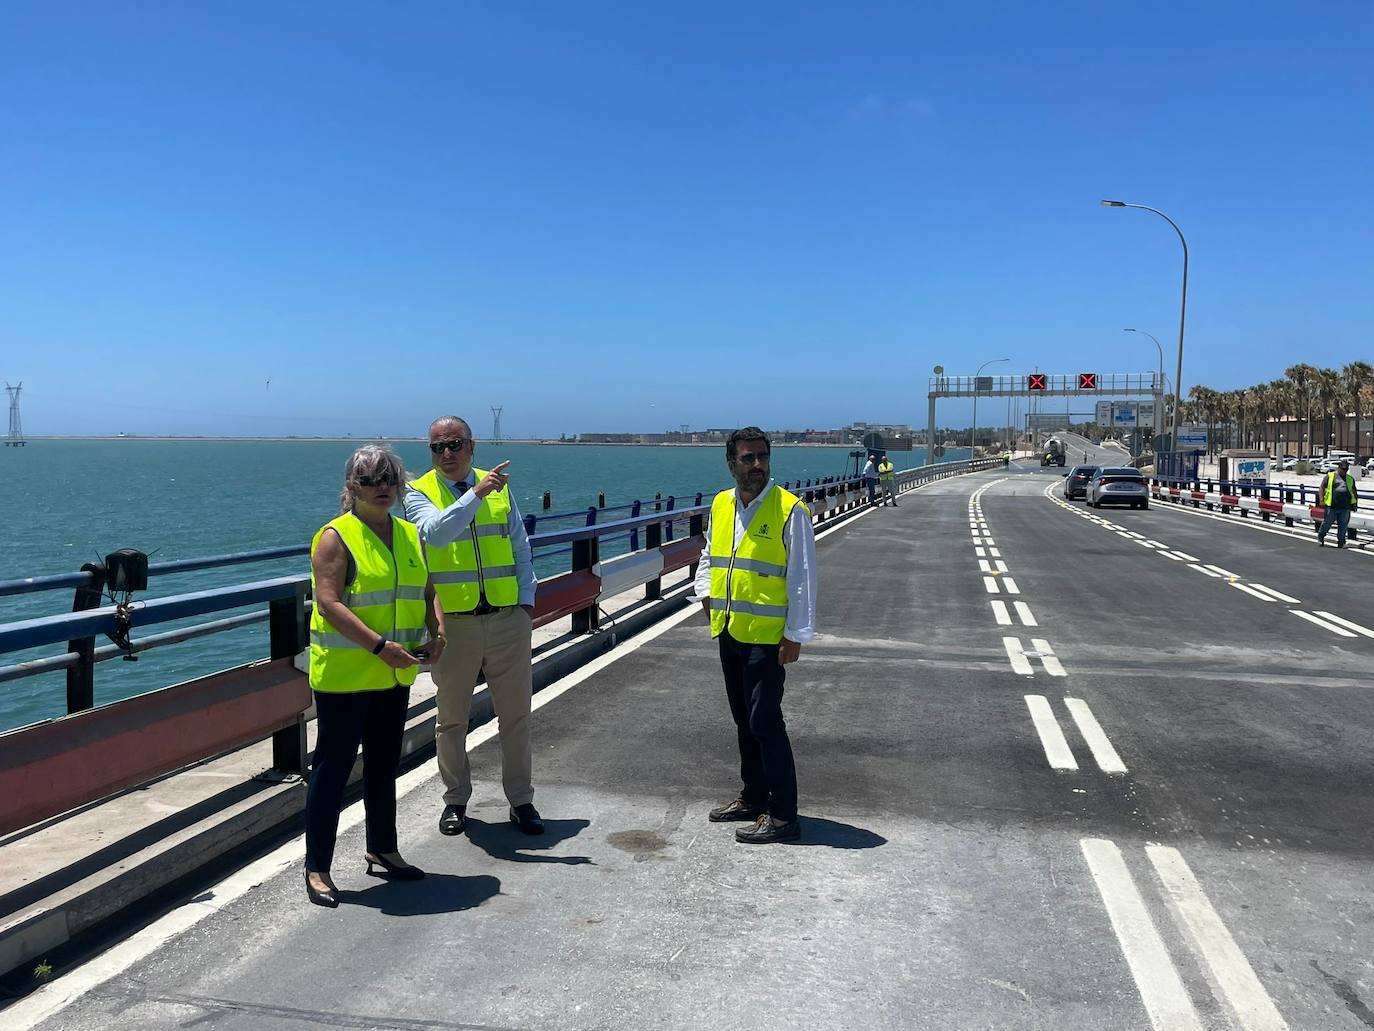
x=737, y=811
x=767, y=830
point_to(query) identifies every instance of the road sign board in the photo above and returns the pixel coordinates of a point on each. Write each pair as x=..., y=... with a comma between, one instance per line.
x=1191, y=440
x=1036, y=381
x=1087, y=381
x=1103, y=414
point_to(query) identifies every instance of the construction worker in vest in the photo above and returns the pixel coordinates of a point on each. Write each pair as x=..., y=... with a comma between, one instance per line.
x=479, y=560
x=888, y=475
x=1339, y=499
x=375, y=618
x=757, y=582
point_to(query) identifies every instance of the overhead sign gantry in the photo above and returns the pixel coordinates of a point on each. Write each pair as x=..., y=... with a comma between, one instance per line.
x=1042, y=384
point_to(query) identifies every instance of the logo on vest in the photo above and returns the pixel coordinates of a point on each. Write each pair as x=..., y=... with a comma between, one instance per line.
x=762, y=531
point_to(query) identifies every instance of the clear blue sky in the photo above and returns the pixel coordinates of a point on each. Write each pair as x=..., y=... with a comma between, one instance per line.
x=629, y=216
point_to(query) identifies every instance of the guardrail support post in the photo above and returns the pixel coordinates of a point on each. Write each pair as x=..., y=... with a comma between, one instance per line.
x=586, y=554
x=287, y=637
x=653, y=539
x=81, y=677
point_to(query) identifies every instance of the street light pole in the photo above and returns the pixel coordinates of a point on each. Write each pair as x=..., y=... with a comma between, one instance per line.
x=973, y=433
x=1182, y=313
x=1163, y=381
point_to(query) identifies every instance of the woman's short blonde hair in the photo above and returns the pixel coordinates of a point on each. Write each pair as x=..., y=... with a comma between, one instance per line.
x=369, y=460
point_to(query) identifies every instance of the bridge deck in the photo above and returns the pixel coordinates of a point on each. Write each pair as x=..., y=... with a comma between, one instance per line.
x=948, y=877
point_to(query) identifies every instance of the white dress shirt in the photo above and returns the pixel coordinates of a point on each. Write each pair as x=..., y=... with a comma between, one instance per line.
x=441, y=528
x=800, y=543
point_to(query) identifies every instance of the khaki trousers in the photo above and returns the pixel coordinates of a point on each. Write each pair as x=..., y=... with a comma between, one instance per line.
x=498, y=643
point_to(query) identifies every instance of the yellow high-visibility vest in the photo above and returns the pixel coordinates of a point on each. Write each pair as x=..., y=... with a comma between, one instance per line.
x=483, y=562
x=886, y=471
x=1329, y=488
x=749, y=583
x=387, y=593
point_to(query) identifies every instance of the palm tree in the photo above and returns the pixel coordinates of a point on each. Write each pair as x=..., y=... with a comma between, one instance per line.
x=1359, y=379
x=1331, y=396
x=1304, y=380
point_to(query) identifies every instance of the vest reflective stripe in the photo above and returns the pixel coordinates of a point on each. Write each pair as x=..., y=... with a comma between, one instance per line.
x=749, y=582
x=753, y=608
x=1330, y=488
x=387, y=594
x=762, y=568
x=482, y=561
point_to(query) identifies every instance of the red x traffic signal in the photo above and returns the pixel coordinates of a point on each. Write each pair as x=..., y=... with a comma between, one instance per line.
x=1087, y=381
x=1037, y=381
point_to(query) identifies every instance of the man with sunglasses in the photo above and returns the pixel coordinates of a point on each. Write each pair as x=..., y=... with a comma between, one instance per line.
x=757, y=583
x=480, y=564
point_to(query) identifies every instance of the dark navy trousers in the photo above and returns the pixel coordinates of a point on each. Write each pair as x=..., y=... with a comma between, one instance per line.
x=754, y=685
x=376, y=720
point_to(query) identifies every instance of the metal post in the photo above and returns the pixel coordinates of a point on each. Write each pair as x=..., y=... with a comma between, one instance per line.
x=286, y=638
x=653, y=538
x=585, y=554
x=634, y=534
x=81, y=677
x=930, y=432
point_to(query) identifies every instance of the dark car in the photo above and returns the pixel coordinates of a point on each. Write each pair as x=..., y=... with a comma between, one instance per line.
x=1118, y=485
x=1076, y=481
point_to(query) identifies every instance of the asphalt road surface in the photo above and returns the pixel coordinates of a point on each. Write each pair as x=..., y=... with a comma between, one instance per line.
x=1058, y=769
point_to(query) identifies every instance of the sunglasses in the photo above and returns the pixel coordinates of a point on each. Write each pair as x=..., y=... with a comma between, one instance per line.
x=449, y=445
x=747, y=459
x=382, y=480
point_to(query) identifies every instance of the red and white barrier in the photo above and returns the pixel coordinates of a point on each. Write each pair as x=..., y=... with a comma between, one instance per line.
x=1290, y=512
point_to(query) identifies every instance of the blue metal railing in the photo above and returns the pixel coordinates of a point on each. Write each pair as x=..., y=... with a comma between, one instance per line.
x=287, y=597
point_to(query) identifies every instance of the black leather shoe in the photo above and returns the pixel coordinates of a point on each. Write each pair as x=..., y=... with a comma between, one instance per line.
x=527, y=818
x=738, y=810
x=768, y=830
x=404, y=872
x=453, y=820
x=327, y=898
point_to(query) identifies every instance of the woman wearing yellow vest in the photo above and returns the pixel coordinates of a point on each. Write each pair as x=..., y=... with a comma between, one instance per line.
x=374, y=608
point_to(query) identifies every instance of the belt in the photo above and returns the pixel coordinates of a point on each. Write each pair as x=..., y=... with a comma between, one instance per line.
x=484, y=608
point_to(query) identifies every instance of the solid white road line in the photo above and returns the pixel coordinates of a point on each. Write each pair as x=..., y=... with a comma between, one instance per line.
x=1205, y=571
x=1019, y=663
x=1213, y=942
x=990, y=582
x=1023, y=610
x=1011, y=585
x=1098, y=743
x=1052, y=665
x=1161, y=989
x=1338, y=630
x=1363, y=630
x=1051, y=737
x=1277, y=594
x=999, y=611
x=1251, y=591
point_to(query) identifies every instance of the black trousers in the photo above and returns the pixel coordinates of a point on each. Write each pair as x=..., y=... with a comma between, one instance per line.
x=754, y=685
x=376, y=720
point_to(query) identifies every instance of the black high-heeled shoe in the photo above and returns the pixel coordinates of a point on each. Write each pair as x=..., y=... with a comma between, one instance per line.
x=325, y=898
x=390, y=869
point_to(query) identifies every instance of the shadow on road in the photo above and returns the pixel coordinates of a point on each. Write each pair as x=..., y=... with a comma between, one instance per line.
x=503, y=841
x=437, y=893
x=833, y=834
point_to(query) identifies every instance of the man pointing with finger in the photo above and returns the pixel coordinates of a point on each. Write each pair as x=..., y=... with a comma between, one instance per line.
x=757, y=582
x=480, y=564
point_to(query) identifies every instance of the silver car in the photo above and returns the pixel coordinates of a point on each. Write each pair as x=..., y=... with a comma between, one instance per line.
x=1118, y=485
